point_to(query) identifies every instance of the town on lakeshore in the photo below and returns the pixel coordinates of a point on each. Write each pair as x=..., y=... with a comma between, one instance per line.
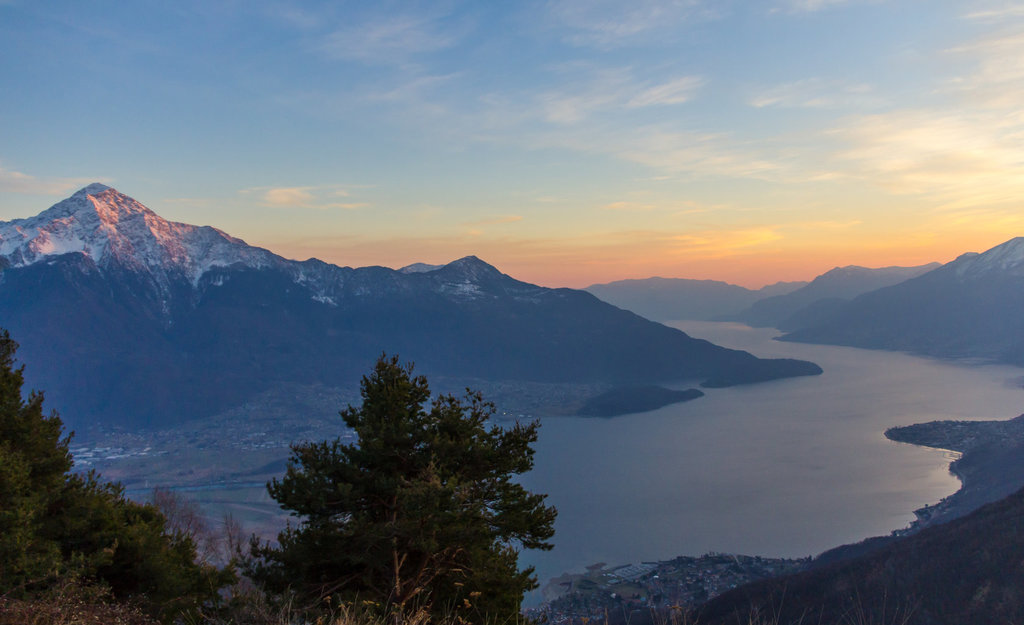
x=616, y=593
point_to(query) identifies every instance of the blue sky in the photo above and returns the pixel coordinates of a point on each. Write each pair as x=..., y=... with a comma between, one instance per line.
x=567, y=142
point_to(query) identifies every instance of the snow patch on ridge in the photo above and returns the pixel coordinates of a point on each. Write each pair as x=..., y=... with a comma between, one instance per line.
x=465, y=289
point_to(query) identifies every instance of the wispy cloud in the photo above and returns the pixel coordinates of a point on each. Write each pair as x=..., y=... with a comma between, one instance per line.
x=673, y=207
x=613, y=89
x=997, y=12
x=611, y=23
x=964, y=155
x=997, y=76
x=315, y=197
x=17, y=182
x=297, y=17
x=820, y=225
x=574, y=103
x=393, y=39
x=191, y=202
x=498, y=219
x=476, y=228
x=687, y=152
x=819, y=5
x=626, y=205
x=675, y=91
x=958, y=157
x=722, y=243
x=817, y=93
x=412, y=89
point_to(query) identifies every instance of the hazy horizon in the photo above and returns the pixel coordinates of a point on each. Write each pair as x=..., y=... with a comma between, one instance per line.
x=753, y=287
x=566, y=142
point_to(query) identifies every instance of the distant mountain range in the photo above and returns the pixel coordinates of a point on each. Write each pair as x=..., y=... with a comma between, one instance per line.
x=126, y=318
x=972, y=307
x=669, y=299
x=825, y=293
x=784, y=305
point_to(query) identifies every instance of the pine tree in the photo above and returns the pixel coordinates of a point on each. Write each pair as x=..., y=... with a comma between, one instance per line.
x=58, y=527
x=422, y=511
x=34, y=459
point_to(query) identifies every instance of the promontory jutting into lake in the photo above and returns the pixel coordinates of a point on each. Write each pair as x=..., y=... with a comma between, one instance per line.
x=787, y=468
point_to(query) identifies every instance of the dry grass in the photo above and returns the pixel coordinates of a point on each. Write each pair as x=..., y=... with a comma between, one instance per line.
x=72, y=604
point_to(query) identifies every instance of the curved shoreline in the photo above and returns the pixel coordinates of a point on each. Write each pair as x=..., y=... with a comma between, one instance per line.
x=990, y=466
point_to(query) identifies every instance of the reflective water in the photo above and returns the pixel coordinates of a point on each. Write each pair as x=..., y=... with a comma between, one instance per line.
x=786, y=468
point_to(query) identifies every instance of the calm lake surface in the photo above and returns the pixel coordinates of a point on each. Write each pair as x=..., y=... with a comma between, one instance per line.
x=787, y=468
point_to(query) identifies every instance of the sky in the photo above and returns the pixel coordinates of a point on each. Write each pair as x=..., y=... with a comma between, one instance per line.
x=567, y=142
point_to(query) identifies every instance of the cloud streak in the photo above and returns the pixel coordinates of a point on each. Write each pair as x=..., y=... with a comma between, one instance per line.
x=817, y=93
x=493, y=221
x=812, y=6
x=609, y=23
x=317, y=197
x=959, y=158
x=392, y=39
x=17, y=182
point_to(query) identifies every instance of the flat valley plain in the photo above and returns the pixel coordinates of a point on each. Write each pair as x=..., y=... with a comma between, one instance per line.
x=787, y=468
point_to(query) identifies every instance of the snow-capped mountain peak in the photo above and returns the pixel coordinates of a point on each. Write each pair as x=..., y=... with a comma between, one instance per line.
x=92, y=189
x=1006, y=258
x=113, y=229
x=419, y=268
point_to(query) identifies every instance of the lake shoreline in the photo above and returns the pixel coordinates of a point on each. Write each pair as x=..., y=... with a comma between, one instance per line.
x=985, y=466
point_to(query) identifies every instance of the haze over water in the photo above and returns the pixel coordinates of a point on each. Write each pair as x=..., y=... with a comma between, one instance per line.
x=788, y=468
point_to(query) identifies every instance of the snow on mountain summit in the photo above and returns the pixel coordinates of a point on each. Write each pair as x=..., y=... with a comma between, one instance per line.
x=1006, y=258
x=111, y=228
x=119, y=234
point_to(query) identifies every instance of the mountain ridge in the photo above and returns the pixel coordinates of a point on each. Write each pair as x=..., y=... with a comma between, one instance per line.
x=967, y=308
x=839, y=283
x=670, y=299
x=122, y=325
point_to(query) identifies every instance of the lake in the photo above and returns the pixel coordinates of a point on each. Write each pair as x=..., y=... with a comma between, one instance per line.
x=787, y=468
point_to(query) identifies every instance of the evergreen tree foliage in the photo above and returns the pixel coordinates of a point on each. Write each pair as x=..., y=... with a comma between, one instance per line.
x=423, y=511
x=56, y=525
x=34, y=459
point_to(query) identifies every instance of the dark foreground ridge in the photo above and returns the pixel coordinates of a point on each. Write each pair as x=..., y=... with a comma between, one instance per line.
x=969, y=571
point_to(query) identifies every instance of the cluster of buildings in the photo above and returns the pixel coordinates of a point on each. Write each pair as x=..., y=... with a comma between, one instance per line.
x=666, y=588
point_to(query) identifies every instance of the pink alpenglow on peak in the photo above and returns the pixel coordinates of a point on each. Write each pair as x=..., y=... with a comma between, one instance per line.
x=112, y=228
